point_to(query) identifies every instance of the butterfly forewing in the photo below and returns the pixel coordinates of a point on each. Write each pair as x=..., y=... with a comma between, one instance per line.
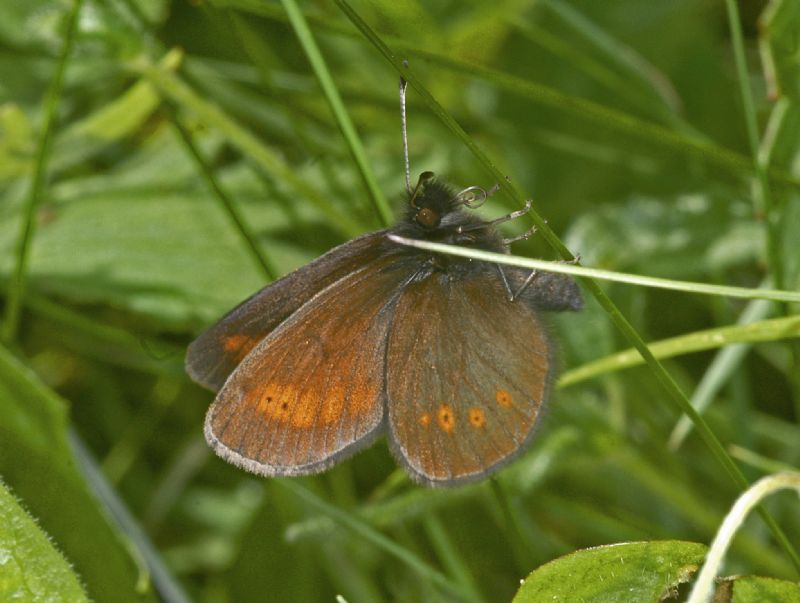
x=311, y=391
x=476, y=369
x=217, y=352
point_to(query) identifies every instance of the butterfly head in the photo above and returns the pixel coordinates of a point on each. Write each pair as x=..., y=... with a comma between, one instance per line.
x=431, y=201
x=435, y=213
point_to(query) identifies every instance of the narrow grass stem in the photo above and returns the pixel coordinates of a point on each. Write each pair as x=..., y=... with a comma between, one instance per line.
x=326, y=82
x=674, y=393
x=703, y=589
x=225, y=201
x=596, y=273
x=16, y=286
x=765, y=205
x=370, y=534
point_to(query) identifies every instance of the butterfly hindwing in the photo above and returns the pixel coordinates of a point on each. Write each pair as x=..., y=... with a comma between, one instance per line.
x=219, y=350
x=546, y=291
x=476, y=369
x=312, y=391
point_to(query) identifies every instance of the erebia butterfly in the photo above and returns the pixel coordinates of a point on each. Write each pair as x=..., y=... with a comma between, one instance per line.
x=449, y=358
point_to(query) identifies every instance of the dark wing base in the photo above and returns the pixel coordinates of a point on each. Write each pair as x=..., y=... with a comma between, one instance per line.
x=214, y=355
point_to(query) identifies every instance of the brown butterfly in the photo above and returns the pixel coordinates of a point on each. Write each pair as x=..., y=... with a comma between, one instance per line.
x=447, y=357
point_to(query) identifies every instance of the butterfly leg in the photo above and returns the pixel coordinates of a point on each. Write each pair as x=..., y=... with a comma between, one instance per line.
x=521, y=237
x=509, y=292
x=513, y=215
x=514, y=295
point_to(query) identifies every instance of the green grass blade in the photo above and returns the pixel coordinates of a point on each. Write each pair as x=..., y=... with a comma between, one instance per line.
x=370, y=534
x=168, y=587
x=678, y=398
x=326, y=82
x=723, y=367
x=582, y=108
x=225, y=201
x=16, y=286
x=182, y=94
x=761, y=331
x=596, y=273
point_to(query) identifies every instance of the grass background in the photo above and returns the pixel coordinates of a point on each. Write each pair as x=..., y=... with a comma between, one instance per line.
x=642, y=143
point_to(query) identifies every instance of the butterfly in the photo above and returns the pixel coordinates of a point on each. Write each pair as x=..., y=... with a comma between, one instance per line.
x=448, y=357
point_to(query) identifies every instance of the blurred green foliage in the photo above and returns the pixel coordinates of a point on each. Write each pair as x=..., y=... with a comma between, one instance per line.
x=624, y=122
x=32, y=569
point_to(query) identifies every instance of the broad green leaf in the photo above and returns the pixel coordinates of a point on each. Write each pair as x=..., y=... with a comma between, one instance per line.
x=618, y=573
x=37, y=463
x=132, y=255
x=31, y=568
x=757, y=589
x=150, y=239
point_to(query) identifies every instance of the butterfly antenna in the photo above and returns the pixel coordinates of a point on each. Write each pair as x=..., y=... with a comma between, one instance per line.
x=403, y=86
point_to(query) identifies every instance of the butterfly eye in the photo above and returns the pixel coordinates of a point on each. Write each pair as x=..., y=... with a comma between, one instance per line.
x=427, y=217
